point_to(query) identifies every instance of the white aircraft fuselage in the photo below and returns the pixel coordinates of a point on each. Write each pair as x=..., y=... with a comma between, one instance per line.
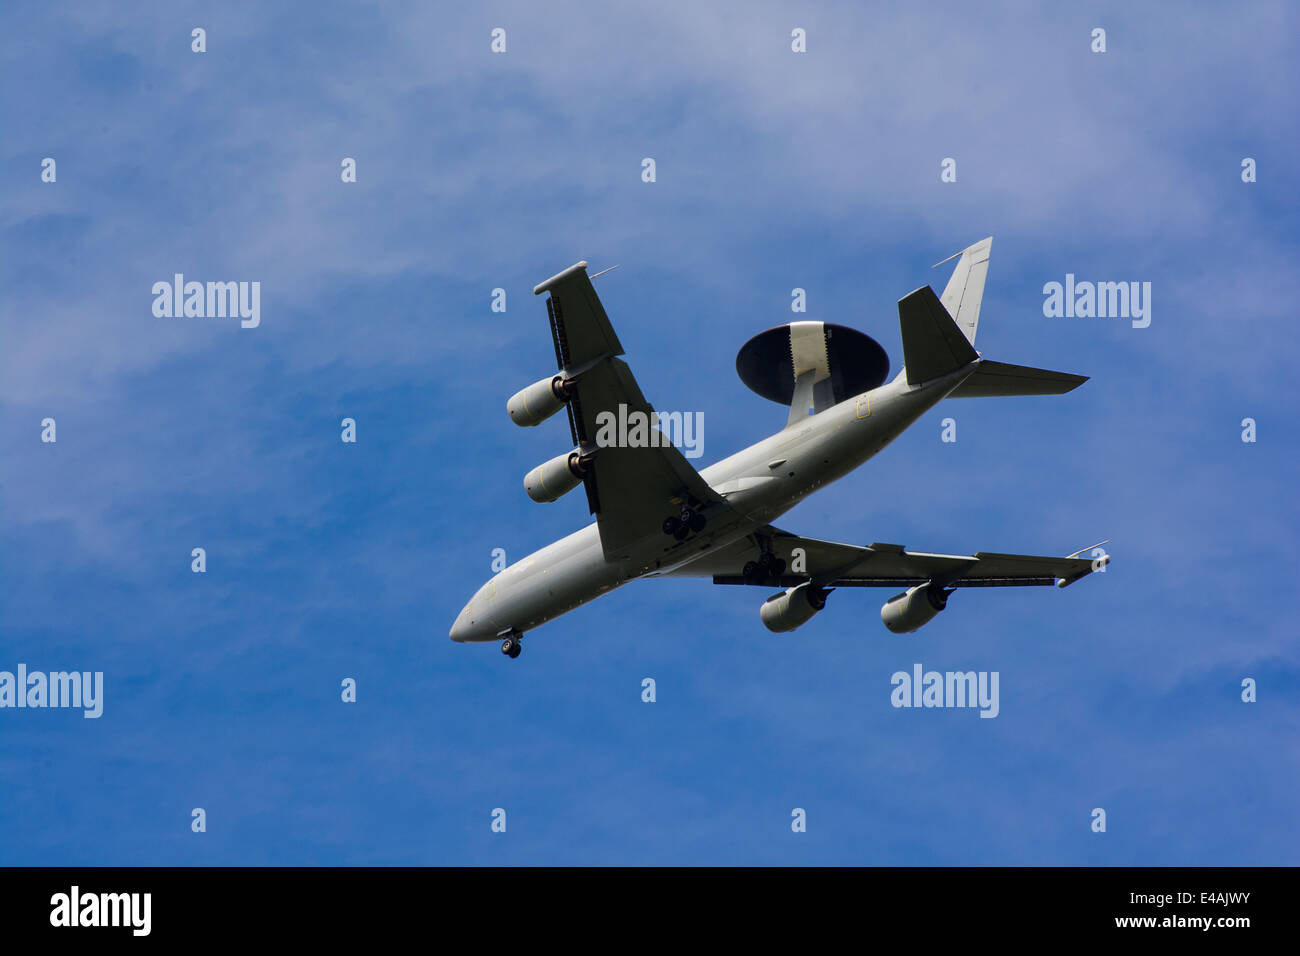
x=759, y=483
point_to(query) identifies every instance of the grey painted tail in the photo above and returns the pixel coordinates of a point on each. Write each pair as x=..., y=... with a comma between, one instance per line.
x=933, y=345
x=965, y=289
x=939, y=337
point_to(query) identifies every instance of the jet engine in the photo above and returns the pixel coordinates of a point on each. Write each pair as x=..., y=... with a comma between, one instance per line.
x=792, y=607
x=539, y=401
x=556, y=478
x=907, y=612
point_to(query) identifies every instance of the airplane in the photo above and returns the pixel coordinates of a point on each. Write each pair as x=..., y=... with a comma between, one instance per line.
x=656, y=516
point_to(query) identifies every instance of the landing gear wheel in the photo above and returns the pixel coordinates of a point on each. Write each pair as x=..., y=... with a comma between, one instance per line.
x=681, y=532
x=750, y=572
x=671, y=524
x=767, y=570
x=511, y=647
x=697, y=522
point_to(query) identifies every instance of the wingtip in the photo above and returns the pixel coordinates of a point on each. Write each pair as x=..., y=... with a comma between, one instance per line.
x=559, y=277
x=1090, y=548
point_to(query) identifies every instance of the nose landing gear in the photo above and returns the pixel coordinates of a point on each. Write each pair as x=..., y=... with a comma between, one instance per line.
x=511, y=647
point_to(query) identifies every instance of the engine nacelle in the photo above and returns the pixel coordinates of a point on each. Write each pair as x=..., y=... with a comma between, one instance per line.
x=792, y=607
x=538, y=402
x=556, y=478
x=907, y=612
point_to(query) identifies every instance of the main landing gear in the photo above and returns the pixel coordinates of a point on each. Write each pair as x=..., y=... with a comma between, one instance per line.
x=766, y=570
x=689, y=521
x=511, y=647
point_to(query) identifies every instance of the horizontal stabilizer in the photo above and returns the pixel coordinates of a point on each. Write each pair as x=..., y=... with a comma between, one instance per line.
x=933, y=345
x=992, y=379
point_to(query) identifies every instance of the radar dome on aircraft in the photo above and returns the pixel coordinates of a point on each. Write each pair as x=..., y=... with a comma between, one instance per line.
x=843, y=361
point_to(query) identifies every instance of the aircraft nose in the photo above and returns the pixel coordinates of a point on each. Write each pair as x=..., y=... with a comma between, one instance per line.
x=460, y=628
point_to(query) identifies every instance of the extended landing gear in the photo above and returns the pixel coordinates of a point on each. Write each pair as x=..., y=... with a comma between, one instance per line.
x=689, y=521
x=511, y=647
x=766, y=570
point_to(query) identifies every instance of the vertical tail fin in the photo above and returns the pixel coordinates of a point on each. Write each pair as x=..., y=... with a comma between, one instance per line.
x=933, y=331
x=965, y=290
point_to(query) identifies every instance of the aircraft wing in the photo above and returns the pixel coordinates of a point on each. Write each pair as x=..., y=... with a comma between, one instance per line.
x=630, y=490
x=884, y=565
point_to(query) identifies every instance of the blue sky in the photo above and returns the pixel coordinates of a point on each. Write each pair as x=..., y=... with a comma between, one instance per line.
x=775, y=170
